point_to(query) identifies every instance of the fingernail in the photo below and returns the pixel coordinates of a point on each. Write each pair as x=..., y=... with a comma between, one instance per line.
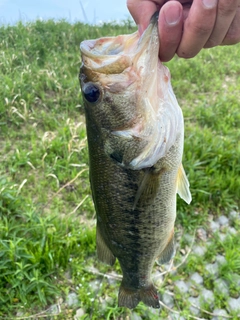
x=209, y=3
x=172, y=17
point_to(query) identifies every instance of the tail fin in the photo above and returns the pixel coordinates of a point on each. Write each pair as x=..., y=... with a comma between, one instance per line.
x=130, y=298
x=150, y=296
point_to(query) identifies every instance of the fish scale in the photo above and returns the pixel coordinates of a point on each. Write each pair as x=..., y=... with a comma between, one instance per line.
x=135, y=139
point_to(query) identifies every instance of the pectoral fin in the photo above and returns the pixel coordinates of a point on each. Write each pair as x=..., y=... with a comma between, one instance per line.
x=103, y=252
x=141, y=188
x=183, y=185
x=149, y=185
x=168, y=253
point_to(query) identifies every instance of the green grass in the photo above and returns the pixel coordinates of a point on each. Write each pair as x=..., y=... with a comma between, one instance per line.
x=47, y=227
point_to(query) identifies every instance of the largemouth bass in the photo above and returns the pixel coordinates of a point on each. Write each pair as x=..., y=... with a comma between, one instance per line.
x=135, y=135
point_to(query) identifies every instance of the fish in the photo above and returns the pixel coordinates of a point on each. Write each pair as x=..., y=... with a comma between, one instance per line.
x=135, y=133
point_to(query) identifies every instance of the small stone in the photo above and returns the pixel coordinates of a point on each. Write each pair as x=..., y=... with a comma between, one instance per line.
x=221, y=287
x=232, y=230
x=95, y=285
x=105, y=302
x=234, y=305
x=188, y=238
x=212, y=269
x=233, y=215
x=223, y=221
x=72, y=299
x=220, y=260
x=218, y=313
x=183, y=252
x=196, y=278
x=135, y=316
x=79, y=313
x=194, y=302
x=222, y=236
x=68, y=275
x=199, y=251
x=193, y=292
x=207, y=296
x=175, y=316
x=170, y=288
x=214, y=226
x=202, y=234
x=182, y=286
x=168, y=300
x=236, y=279
x=20, y=314
x=158, y=279
x=53, y=310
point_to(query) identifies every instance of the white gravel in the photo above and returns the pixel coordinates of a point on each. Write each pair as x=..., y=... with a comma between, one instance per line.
x=212, y=269
x=196, y=278
x=182, y=286
x=234, y=304
x=220, y=312
x=221, y=287
x=194, y=289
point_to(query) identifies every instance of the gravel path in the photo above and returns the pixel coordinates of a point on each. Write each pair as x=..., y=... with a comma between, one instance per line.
x=193, y=292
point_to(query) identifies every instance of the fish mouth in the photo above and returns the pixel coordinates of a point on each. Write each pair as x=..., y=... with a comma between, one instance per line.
x=128, y=68
x=113, y=55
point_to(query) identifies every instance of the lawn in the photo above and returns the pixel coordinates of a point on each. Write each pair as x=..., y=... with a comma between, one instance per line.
x=47, y=218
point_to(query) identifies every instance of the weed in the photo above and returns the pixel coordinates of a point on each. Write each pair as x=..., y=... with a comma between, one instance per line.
x=47, y=227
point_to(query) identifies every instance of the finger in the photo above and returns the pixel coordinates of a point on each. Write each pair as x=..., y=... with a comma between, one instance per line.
x=233, y=34
x=170, y=25
x=226, y=11
x=142, y=11
x=197, y=27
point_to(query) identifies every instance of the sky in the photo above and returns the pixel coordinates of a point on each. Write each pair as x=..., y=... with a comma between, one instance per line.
x=90, y=11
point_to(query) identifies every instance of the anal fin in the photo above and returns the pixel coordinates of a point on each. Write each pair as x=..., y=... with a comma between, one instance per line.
x=103, y=252
x=183, y=185
x=168, y=253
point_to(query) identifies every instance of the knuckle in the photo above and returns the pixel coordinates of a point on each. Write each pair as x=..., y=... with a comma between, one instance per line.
x=233, y=33
x=227, y=7
x=198, y=28
x=201, y=30
x=212, y=43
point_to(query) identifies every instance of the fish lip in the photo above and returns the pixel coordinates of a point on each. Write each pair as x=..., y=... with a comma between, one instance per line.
x=127, y=48
x=85, y=47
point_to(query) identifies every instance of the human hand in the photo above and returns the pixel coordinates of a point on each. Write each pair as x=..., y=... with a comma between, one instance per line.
x=185, y=27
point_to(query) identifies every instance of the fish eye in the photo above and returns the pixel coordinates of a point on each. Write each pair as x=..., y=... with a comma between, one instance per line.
x=91, y=92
